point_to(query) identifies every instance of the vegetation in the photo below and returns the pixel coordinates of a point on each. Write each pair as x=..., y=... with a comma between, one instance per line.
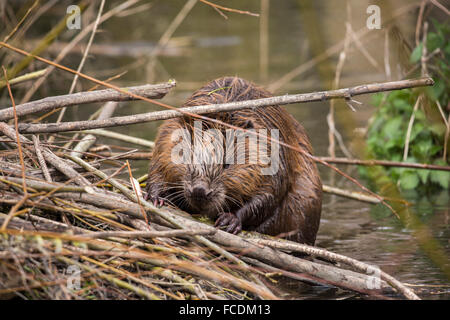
x=388, y=129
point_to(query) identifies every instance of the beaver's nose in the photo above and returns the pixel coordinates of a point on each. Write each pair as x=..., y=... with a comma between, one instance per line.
x=200, y=192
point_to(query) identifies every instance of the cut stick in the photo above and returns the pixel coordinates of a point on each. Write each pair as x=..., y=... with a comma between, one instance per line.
x=153, y=91
x=351, y=194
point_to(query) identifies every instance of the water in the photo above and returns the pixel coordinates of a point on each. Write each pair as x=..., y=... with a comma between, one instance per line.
x=210, y=46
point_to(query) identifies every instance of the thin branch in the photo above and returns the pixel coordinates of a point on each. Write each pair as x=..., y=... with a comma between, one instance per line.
x=350, y=194
x=146, y=234
x=41, y=159
x=440, y=6
x=25, y=77
x=385, y=163
x=154, y=91
x=229, y=9
x=410, y=125
x=21, y=21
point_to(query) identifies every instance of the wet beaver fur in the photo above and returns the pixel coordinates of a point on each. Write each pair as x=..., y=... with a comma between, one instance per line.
x=286, y=203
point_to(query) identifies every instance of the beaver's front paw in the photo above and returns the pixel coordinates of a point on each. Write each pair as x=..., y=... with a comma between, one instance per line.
x=153, y=196
x=229, y=222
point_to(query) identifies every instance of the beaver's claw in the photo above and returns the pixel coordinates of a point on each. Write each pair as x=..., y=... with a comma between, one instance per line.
x=229, y=222
x=157, y=201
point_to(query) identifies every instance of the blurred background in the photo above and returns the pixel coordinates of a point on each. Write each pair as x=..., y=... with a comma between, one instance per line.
x=289, y=46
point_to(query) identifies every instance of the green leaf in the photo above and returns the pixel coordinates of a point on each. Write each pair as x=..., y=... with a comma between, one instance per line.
x=402, y=105
x=438, y=129
x=376, y=99
x=423, y=175
x=416, y=130
x=392, y=128
x=434, y=150
x=447, y=48
x=423, y=147
x=441, y=177
x=409, y=180
x=416, y=54
x=434, y=41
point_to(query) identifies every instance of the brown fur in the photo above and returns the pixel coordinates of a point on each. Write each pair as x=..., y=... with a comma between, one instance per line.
x=287, y=203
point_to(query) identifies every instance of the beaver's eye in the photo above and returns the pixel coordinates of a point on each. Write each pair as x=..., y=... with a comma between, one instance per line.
x=226, y=165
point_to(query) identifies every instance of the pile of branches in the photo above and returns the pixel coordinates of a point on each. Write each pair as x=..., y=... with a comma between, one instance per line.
x=74, y=225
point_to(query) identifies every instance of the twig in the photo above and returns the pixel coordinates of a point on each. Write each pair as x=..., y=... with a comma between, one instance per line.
x=41, y=159
x=423, y=58
x=25, y=77
x=387, y=64
x=264, y=41
x=330, y=117
x=410, y=125
x=447, y=135
x=146, y=234
x=22, y=163
x=351, y=194
x=440, y=6
x=89, y=140
x=419, y=21
x=229, y=9
x=385, y=163
x=122, y=137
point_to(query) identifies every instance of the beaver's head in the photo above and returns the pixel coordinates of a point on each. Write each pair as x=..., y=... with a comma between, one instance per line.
x=219, y=172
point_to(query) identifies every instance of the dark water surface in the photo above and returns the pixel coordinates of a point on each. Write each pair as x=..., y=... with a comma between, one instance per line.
x=209, y=47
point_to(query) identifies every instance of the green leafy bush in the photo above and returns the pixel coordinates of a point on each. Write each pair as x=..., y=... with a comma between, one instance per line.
x=388, y=127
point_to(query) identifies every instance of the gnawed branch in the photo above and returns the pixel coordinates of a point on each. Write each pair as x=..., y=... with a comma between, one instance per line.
x=153, y=91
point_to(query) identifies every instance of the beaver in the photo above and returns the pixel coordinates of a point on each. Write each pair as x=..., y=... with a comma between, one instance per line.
x=285, y=200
